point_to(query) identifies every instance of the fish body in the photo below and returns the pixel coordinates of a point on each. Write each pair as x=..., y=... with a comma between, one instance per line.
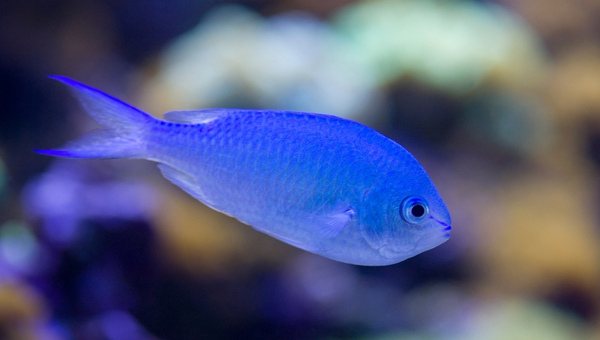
x=324, y=184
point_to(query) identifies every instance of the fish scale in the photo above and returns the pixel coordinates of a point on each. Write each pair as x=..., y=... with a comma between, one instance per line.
x=324, y=184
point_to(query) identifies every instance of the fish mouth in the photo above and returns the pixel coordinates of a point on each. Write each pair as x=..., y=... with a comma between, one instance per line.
x=430, y=240
x=440, y=233
x=433, y=238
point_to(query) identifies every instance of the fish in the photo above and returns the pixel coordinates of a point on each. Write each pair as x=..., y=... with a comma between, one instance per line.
x=324, y=184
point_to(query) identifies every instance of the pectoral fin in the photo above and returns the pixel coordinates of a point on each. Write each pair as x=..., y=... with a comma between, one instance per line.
x=331, y=224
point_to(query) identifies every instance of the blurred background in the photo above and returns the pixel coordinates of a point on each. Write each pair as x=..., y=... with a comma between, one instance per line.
x=499, y=100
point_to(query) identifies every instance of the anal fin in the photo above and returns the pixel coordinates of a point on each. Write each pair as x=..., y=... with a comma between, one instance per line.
x=185, y=182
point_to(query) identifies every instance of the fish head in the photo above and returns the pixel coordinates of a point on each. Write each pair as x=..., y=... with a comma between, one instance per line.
x=420, y=225
x=408, y=219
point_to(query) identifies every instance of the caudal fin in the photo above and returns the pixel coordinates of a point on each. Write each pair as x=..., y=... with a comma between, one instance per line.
x=123, y=133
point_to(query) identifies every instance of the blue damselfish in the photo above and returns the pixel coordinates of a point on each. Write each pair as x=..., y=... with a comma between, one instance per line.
x=321, y=183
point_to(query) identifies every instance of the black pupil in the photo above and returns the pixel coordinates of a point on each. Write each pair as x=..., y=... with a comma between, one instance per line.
x=417, y=210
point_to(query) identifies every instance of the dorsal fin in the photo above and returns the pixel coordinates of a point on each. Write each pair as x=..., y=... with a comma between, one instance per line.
x=197, y=116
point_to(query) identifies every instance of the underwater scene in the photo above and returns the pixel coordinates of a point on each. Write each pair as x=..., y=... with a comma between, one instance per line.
x=463, y=204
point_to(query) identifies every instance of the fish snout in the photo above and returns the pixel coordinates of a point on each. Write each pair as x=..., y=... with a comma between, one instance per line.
x=433, y=238
x=433, y=235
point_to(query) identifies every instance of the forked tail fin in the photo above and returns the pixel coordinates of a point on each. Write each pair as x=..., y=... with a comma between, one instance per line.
x=123, y=133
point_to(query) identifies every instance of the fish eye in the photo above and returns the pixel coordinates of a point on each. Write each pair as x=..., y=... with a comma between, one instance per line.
x=414, y=209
